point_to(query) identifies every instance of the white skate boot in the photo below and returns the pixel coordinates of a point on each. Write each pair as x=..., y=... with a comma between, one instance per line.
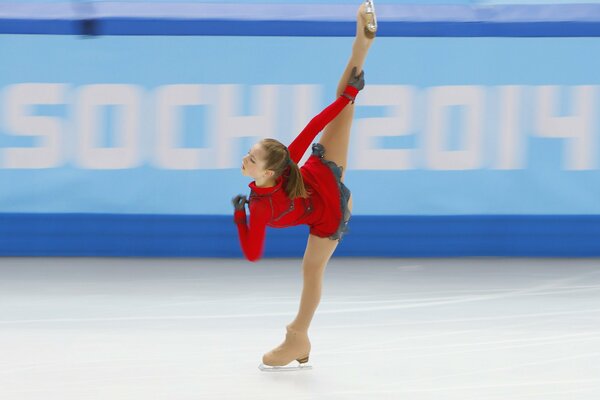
x=296, y=347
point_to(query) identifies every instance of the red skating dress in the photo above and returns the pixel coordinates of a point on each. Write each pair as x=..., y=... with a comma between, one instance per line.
x=324, y=211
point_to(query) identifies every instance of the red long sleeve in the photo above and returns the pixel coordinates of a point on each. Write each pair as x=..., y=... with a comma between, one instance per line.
x=298, y=147
x=252, y=238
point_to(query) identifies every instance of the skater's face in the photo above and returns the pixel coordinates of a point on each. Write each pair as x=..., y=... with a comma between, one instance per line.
x=253, y=163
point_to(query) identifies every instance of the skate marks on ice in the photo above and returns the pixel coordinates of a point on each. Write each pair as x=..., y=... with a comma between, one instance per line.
x=538, y=340
x=547, y=289
x=349, y=305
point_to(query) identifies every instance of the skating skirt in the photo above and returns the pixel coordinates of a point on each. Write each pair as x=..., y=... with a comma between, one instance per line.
x=324, y=178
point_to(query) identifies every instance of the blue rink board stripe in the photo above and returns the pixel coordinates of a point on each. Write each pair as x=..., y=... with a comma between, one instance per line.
x=142, y=27
x=370, y=236
x=555, y=20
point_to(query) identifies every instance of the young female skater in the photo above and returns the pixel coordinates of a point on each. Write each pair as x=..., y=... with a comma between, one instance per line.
x=284, y=195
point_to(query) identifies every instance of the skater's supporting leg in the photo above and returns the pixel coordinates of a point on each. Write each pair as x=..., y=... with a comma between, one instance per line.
x=296, y=345
x=316, y=256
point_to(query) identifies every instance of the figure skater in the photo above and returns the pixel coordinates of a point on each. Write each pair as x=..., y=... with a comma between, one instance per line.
x=282, y=194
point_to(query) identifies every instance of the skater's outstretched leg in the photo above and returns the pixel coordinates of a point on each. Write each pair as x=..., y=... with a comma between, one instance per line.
x=336, y=136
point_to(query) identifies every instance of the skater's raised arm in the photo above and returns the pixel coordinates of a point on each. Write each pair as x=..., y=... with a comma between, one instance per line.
x=299, y=146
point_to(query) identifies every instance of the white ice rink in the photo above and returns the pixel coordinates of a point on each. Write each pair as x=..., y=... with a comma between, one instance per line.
x=414, y=329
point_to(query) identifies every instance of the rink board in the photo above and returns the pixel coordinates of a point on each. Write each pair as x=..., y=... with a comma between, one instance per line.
x=487, y=145
x=372, y=236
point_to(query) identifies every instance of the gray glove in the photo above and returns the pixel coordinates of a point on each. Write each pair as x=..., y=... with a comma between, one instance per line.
x=357, y=81
x=239, y=202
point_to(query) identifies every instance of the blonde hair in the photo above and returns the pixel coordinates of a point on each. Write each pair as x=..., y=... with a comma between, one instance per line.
x=278, y=160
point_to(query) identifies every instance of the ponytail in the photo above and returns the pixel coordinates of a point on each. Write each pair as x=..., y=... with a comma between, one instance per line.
x=295, y=185
x=278, y=160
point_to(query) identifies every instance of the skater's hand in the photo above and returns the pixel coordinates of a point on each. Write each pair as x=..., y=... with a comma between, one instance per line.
x=239, y=201
x=357, y=81
x=355, y=84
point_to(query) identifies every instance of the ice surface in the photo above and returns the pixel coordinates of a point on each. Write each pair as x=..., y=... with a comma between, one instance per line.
x=415, y=329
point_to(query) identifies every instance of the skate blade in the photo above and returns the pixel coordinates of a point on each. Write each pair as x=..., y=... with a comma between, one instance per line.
x=285, y=368
x=371, y=19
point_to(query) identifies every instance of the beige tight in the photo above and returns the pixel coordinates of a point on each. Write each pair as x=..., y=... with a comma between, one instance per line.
x=335, y=139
